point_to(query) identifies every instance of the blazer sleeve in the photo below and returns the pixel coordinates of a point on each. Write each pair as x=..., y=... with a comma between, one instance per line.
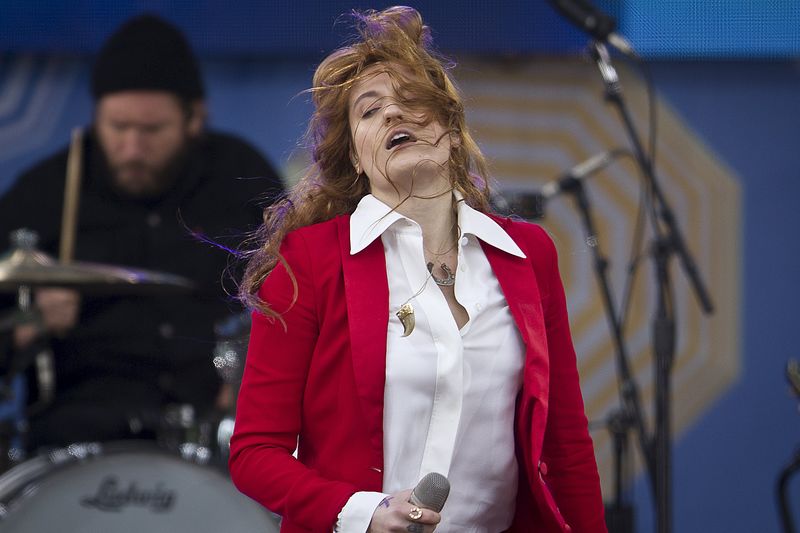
x=570, y=470
x=269, y=408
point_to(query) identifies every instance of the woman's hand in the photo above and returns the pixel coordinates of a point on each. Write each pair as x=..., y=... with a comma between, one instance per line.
x=394, y=514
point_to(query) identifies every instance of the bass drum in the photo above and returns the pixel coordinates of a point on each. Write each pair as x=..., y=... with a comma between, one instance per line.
x=124, y=488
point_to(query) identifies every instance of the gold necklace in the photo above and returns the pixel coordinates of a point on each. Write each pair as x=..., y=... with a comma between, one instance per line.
x=406, y=312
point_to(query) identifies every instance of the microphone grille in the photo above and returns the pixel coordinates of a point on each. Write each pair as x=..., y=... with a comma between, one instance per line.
x=431, y=491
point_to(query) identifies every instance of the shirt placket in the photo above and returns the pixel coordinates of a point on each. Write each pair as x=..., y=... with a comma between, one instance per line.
x=448, y=394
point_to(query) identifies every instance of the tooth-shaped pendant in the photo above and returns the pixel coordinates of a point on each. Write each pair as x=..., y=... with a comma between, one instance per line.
x=406, y=316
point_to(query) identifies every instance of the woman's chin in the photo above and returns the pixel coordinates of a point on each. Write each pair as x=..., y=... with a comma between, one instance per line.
x=411, y=173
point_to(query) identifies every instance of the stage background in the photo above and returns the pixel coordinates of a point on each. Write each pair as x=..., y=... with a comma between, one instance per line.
x=728, y=78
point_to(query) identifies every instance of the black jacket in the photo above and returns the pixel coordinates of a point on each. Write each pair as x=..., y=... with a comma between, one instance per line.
x=160, y=345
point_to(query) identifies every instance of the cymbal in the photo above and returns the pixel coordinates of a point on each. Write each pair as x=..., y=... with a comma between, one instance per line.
x=26, y=266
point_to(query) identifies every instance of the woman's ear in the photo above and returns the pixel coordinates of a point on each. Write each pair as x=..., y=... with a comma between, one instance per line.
x=356, y=164
x=455, y=138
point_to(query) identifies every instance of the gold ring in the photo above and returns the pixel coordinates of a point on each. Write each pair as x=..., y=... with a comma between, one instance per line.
x=415, y=513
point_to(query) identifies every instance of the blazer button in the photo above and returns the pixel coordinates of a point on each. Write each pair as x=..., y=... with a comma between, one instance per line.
x=543, y=468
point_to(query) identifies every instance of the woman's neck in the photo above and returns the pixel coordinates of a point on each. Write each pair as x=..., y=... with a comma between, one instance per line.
x=436, y=217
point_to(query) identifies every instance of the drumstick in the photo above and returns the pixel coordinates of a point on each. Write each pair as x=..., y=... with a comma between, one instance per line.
x=72, y=186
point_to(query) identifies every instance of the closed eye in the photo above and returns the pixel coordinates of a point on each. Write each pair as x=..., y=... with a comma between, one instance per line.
x=369, y=112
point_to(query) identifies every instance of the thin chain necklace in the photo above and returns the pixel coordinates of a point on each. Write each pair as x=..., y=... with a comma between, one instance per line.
x=449, y=278
x=406, y=312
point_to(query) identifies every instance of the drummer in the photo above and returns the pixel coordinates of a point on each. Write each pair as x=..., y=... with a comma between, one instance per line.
x=154, y=180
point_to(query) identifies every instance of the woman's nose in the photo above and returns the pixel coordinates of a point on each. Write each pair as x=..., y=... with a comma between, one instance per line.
x=392, y=111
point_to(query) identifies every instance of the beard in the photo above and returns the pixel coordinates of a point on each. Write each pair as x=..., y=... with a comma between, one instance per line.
x=141, y=180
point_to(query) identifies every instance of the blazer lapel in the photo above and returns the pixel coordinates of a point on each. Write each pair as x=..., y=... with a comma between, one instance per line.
x=517, y=279
x=367, y=299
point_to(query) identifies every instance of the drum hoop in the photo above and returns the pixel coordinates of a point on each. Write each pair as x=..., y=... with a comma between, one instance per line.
x=16, y=483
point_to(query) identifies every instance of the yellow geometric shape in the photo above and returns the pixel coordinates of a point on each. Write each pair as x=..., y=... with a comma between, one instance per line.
x=534, y=120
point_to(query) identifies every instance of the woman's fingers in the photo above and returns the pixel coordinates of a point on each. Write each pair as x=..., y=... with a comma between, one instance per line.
x=396, y=515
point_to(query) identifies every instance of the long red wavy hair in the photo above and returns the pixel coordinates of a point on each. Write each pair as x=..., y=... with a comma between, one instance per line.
x=396, y=37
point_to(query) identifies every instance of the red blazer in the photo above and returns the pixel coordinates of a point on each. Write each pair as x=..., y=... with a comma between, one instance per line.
x=319, y=375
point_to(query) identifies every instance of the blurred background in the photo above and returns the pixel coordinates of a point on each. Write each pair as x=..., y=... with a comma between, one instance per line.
x=727, y=82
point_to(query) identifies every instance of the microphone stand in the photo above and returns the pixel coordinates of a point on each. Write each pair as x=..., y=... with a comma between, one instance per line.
x=781, y=492
x=630, y=413
x=668, y=240
x=15, y=361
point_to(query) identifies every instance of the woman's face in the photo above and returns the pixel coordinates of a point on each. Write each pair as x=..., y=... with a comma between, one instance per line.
x=394, y=146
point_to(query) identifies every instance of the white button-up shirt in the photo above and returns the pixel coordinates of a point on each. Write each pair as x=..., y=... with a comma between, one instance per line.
x=450, y=393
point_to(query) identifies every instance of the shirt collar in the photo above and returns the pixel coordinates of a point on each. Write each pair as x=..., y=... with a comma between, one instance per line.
x=473, y=222
x=368, y=222
x=372, y=218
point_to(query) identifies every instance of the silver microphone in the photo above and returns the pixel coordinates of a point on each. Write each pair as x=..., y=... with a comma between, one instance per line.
x=531, y=205
x=578, y=172
x=431, y=492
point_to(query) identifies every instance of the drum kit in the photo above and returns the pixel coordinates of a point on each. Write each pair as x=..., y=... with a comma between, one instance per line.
x=176, y=483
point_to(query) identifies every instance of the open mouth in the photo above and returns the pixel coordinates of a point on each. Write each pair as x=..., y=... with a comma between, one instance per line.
x=398, y=138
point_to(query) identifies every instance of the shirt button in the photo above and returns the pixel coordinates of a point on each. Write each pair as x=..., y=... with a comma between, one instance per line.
x=464, y=241
x=154, y=220
x=479, y=306
x=435, y=338
x=166, y=330
x=463, y=267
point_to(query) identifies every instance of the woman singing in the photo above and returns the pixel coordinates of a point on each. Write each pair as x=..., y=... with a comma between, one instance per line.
x=399, y=329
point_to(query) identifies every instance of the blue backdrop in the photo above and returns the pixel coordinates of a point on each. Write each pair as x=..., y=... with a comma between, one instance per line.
x=258, y=57
x=658, y=28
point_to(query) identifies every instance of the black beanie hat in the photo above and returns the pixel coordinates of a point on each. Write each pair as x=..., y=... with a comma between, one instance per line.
x=147, y=53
